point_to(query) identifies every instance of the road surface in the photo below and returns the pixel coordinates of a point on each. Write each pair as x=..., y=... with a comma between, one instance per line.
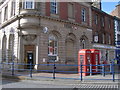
x=52, y=84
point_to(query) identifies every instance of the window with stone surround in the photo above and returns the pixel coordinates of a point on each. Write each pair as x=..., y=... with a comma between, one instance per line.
x=52, y=47
x=13, y=7
x=6, y=13
x=53, y=7
x=103, y=38
x=109, y=23
x=83, y=43
x=102, y=21
x=109, y=38
x=83, y=12
x=96, y=19
x=0, y=17
x=29, y=4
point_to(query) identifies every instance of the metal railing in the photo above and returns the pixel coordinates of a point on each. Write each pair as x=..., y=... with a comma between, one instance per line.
x=102, y=70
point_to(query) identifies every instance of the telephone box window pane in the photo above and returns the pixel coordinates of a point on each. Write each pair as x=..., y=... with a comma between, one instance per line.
x=88, y=59
x=96, y=59
x=81, y=58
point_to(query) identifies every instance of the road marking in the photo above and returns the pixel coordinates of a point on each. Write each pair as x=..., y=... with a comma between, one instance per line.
x=93, y=86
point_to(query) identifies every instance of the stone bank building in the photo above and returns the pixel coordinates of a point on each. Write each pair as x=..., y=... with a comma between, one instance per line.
x=44, y=31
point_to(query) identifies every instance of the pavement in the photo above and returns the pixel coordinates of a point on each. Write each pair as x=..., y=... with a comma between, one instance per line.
x=71, y=81
x=60, y=77
x=63, y=79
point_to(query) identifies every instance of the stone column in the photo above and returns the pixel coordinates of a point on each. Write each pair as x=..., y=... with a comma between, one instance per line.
x=37, y=51
x=43, y=56
x=0, y=49
x=20, y=49
x=61, y=51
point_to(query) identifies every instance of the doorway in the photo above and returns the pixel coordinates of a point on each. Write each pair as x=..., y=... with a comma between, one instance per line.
x=29, y=56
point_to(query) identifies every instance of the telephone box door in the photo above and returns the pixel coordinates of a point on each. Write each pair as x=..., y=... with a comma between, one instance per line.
x=84, y=58
x=95, y=59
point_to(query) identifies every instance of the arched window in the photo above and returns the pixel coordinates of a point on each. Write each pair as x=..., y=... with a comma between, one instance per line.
x=52, y=47
x=70, y=47
x=4, y=48
x=83, y=43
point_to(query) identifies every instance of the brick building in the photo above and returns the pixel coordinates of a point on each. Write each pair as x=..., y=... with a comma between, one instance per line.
x=103, y=34
x=44, y=31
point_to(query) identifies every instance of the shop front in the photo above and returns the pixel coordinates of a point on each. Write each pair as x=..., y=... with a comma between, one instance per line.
x=107, y=52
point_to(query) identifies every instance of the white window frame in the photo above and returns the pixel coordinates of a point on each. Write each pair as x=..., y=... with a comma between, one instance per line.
x=32, y=5
x=53, y=55
x=83, y=13
x=13, y=7
x=54, y=7
x=0, y=17
x=6, y=13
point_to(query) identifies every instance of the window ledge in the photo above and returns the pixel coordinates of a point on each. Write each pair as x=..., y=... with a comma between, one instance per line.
x=84, y=23
x=71, y=19
x=29, y=11
x=54, y=15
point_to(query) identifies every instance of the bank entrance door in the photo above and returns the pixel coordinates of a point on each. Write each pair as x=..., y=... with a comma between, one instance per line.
x=29, y=56
x=29, y=59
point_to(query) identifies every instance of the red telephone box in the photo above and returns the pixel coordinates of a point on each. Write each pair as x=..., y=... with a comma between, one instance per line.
x=84, y=58
x=95, y=59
